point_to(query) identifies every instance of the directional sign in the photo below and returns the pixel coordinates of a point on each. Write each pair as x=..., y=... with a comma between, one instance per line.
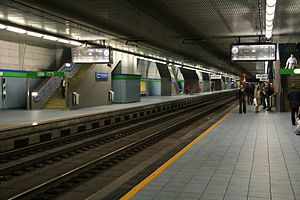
x=259, y=76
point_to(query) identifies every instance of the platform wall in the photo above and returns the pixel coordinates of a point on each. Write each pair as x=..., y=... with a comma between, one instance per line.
x=92, y=92
x=18, y=56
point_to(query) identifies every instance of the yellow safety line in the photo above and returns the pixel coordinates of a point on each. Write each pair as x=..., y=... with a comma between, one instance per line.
x=139, y=186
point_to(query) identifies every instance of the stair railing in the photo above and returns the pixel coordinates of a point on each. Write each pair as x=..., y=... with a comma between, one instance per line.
x=46, y=89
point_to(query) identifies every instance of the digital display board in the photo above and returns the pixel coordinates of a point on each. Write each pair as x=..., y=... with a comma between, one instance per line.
x=91, y=55
x=253, y=52
x=215, y=76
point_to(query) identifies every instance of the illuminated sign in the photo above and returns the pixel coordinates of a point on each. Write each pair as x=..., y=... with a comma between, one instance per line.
x=259, y=76
x=214, y=76
x=101, y=75
x=91, y=55
x=253, y=52
x=289, y=71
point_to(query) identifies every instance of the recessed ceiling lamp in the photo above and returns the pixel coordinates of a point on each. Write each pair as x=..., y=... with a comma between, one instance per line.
x=270, y=14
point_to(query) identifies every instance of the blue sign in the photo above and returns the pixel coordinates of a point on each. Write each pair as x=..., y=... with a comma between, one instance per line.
x=102, y=75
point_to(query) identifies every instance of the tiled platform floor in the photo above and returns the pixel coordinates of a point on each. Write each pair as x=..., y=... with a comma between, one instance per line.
x=247, y=156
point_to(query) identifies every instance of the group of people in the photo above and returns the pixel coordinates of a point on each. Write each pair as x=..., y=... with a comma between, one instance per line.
x=258, y=94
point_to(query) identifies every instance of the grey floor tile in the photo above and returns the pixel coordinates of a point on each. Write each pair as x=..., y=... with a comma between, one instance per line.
x=235, y=197
x=164, y=194
x=211, y=197
x=259, y=194
x=283, y=195
x=189, y=195
x=141, y=197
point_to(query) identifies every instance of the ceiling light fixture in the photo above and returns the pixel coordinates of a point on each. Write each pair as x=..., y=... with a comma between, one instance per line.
x=75, y=43
x=2, y=26
x=64, y=41
x=16, y=30
x=270, y=14
x=49, y=37
x=34, y=34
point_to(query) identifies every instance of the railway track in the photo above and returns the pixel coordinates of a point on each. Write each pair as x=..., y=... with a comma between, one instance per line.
x=94, y=155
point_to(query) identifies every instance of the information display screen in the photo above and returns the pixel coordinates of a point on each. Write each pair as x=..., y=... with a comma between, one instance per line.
x=214, y=76
x=253, y=52
x=91, y=55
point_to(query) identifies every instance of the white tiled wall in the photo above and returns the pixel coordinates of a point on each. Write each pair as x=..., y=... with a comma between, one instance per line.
x=129, y=62
x=36, y=58
x=9, y=54
x=153, y=71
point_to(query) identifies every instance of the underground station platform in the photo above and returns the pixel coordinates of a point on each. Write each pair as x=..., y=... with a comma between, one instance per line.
x=229, y=155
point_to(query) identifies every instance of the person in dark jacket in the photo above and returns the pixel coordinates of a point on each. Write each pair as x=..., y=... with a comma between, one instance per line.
x=242, y=98
x=294, y=97
x=269, y=93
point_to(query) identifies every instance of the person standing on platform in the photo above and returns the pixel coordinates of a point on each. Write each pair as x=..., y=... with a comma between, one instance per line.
x=63, y=87
x=291, y=62
x=263, y=95
x=294, y=97
x=257, y=97
x=269, y=93
x=250, y=91
x=242, y=98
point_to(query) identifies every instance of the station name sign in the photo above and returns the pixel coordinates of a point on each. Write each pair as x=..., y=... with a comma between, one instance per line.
x=101, y=75
x=91, y=55
x=253, y=52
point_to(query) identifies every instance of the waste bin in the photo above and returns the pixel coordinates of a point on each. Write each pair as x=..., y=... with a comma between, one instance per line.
x=111, y=96
x=75, y=98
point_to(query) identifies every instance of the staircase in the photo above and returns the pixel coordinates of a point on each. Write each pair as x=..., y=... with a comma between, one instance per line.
x=74, y=82
x=56, y=100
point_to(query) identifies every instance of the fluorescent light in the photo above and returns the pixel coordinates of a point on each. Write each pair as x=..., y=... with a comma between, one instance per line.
x=49, y=37
x=189, y=68
x=268, y=35
x=34, y=34
x=16, y=30
x=269, y=17
x=34, y=94
x=266, y=67
x=269, y=28
x=271, y=2
x=64, y=41
x=270, y=14
x=270, y=10
x=75, y=43
x=2, y=26
x=269, y=23
x=296, y=71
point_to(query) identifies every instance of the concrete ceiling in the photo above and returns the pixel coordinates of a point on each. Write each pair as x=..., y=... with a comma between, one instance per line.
x=192, y=31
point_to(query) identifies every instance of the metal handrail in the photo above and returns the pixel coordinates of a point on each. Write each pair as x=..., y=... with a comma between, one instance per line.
x=49, y=86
